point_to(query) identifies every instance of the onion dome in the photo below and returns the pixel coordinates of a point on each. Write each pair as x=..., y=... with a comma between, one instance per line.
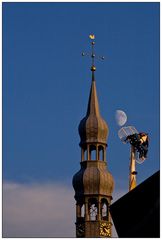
x=92, y=127
x=92, y=180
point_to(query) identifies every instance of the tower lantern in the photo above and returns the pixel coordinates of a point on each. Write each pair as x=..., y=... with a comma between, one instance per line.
x=93, y=183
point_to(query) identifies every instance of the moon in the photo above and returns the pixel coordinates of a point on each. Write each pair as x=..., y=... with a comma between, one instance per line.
x=120, y=117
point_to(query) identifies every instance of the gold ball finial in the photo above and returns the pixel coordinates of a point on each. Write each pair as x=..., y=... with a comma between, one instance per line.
x=93, y=68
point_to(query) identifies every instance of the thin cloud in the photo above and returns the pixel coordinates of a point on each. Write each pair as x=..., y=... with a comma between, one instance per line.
x=40, y=210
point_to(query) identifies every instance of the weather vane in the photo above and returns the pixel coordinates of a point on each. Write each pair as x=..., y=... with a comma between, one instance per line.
x=93, y=55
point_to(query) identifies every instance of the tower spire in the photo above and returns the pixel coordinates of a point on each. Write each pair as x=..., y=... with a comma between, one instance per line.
x=93, y=183
x=93, y=127
x=93, y=105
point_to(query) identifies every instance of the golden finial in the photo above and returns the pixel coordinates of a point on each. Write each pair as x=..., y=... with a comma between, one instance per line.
x=93, y=56
x=92, y=36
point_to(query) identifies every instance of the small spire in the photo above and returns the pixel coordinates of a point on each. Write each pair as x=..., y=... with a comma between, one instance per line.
x=93, y=76
x=92, y=127
x=93, y=105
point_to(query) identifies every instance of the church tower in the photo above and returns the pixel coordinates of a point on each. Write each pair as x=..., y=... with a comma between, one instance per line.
x=93, y=183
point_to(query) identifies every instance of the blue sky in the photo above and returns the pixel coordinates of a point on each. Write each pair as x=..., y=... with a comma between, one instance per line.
x=46, y=85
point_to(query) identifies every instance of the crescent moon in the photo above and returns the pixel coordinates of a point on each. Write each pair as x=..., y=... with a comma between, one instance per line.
x=121, y=117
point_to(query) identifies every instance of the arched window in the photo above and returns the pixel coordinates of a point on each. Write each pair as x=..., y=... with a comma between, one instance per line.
x=83, y=211
x=92, y=151
x=104, y=209
x=80, y=211
x=84, y=154
x=93, y=209
x=101, y=153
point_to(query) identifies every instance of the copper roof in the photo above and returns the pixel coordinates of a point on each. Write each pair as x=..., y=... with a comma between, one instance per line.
x=92, y=127
x=93, y=180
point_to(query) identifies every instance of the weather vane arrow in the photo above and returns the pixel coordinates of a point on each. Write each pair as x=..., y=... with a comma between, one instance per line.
x=92, y=55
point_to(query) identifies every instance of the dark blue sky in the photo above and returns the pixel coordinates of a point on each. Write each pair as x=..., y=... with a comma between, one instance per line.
x=46, y=85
